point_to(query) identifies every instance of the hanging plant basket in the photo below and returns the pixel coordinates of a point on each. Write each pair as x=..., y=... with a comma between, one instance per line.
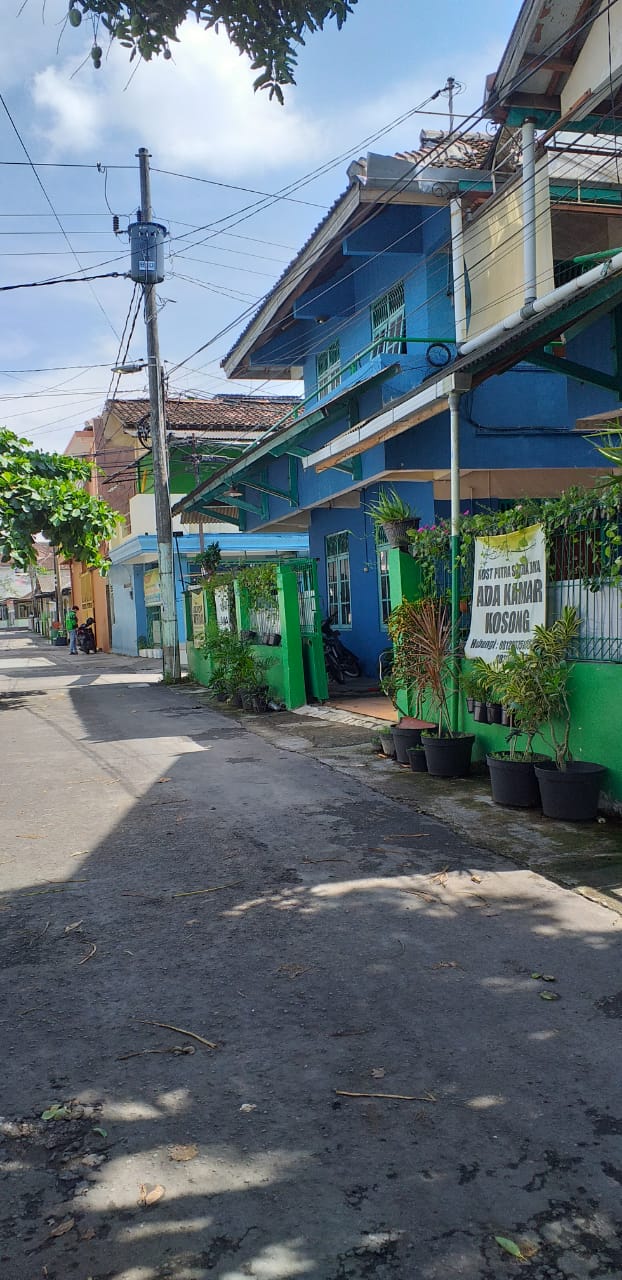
x=396, y=532
x=570, y=794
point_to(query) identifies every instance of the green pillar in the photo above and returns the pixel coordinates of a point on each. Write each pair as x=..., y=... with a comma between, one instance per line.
x=291, y=640
x=404, y=577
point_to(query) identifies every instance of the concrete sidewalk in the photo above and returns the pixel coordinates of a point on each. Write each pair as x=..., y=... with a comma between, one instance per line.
x=161, y=864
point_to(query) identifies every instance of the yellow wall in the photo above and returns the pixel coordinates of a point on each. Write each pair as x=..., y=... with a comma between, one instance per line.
x=591, y=70
x=493, y=251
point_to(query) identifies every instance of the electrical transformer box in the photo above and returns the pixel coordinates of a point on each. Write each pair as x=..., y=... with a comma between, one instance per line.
x=147, y=252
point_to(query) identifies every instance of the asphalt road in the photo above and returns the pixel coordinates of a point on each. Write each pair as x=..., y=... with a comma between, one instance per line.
x=316, y=949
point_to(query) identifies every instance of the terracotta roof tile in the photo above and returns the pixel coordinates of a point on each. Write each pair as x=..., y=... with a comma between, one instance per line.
x=222, y=412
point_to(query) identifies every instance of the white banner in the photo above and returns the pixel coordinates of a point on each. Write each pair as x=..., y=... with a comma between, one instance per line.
x=509, y=593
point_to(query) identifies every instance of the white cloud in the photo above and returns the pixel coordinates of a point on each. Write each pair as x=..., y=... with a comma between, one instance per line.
x=199, y=110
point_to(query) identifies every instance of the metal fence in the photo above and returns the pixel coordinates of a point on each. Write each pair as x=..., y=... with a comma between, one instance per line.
x=581, y=572
x=307, y=601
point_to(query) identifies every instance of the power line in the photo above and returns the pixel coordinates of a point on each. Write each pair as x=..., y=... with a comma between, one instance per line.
x=41, y=284
x=51, y=206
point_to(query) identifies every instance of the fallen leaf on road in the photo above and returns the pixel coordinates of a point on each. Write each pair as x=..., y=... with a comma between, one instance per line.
x=378, y=1073
x=248, y=1107
x=509, y=1246
x=103, y=1133
x=69, y=928
x=58, y=1111
x=440, y=877
x=292, y=970
x=163, y=779
x=446, y=964
x=89, y=1234
x=528, y=1249
x=150, y=1197
x=476, y=879
x=182, y=1153
x=549, y=995
x=544, y=977
x=63, y=1227
x=89, y=954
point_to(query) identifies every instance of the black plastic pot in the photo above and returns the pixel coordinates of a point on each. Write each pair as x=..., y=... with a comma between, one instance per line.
x=570, y=794
x=416, y=759
x=507, y=718
x=480, y=712
x=448, y=757
x=513, y=782
x=403, y=739
x=470, y=705
x=494, y=712
x=396, y=531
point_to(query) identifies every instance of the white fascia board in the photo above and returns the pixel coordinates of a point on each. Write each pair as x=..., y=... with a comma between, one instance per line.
x=326, y=234
x=392, y=417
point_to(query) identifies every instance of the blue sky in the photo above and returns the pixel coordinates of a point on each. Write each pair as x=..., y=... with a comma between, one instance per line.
x=199, y=117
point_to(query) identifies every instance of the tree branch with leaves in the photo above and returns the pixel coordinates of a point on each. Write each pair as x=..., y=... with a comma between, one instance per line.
x=268, y=31
x=44, y=493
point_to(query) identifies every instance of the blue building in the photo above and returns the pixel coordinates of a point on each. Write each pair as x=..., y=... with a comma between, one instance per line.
x=424, y=355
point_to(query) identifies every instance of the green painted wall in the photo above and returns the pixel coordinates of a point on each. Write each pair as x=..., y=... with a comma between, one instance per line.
x=595, y=696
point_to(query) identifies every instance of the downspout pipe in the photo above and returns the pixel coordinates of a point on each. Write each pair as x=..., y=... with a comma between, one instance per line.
x=529, y=216
x=549, y=301
x=454, y=429
x=458, y=269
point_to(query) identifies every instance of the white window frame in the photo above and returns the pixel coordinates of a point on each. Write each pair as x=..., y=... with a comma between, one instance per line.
x=338, y=579
x=328, y=368
x=388, y=321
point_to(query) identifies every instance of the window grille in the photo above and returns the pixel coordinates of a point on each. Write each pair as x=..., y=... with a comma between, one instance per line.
x=388, y=322
x=382, y=563
x=328, y=369
x=338, y=579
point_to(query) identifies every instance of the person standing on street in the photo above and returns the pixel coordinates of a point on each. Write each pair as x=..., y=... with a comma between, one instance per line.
x=71, y=623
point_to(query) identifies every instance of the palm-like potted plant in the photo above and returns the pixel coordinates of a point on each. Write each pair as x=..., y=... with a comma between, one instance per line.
x=476, y=687
x=534, y=685
x=407, y=673
x=512, y=774
x=394, y=516
x=426, y=635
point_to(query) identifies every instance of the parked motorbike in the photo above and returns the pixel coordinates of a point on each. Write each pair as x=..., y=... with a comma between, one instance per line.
x=341, y=663
x=85, y=637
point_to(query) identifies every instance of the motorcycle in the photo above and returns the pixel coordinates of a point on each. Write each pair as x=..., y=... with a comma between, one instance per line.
x=85, y=637
x=341, y=663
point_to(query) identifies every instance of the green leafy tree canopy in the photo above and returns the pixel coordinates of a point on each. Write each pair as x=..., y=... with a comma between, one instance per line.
x=44, y=493
x=269, y=31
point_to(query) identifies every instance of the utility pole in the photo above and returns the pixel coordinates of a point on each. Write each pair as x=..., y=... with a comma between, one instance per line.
x=170, y=639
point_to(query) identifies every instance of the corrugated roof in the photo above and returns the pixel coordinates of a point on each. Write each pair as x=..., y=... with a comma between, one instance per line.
x=240, y=412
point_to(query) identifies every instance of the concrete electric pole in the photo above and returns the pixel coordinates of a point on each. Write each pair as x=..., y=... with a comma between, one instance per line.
x=147, y=247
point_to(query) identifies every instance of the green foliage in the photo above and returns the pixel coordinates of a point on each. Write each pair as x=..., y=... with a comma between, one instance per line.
x=424, y=663
x=234, y=665
x=389, y=507
x=257, y=583
x=268, y=31
x=533, y=686
x=596, y=550
x=44, y=493
x=476, y=682
x=209, y=560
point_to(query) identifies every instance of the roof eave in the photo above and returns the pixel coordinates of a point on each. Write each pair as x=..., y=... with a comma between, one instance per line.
x=235, y=362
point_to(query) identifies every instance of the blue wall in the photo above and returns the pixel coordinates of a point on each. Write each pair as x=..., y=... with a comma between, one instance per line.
x=129, y=607
x=366, y=637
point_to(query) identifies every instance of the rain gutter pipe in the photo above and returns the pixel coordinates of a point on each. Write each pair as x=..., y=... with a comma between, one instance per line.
x=529, y=212
x=454, y=428
x=458, y=270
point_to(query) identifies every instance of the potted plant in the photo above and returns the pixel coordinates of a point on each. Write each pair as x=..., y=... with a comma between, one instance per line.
x=408, y=674
x=424, y=638
x=512, y=773
x=394, y=516
x=569, y=789
x=416, y=759
x=475, y=683
x=209, y=560
x=387, y=743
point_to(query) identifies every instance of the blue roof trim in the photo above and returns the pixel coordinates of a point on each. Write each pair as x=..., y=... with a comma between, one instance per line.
x=230, y=544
